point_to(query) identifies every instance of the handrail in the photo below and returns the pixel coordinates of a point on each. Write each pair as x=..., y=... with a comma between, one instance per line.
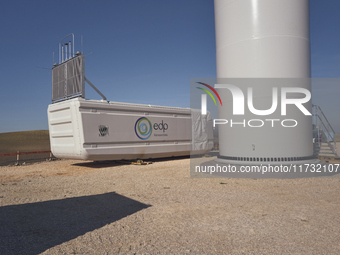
x=326, y=128
x=328, y=133
x=326, y=119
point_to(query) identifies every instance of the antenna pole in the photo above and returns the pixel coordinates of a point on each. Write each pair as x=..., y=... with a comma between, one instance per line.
x=60, y=48
x=62, y=53
x=73, y=45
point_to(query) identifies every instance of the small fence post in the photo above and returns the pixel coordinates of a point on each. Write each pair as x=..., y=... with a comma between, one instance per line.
x=18, y=157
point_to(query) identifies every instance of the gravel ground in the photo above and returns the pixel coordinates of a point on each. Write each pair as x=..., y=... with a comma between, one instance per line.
x=77, y=207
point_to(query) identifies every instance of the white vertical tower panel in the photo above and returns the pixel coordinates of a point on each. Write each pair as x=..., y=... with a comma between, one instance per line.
x=263, y=39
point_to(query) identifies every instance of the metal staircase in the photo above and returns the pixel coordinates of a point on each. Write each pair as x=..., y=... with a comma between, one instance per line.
x=323, y=134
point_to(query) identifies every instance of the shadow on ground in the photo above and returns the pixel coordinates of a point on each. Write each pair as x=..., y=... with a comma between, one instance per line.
x=102, y=164
x=113, y=163
x=36, y=227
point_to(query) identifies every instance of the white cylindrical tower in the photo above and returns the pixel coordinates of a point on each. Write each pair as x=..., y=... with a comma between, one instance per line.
x=262, y=38
x=263, y=44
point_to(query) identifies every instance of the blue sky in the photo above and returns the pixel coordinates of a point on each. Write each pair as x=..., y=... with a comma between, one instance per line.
x=143, y=51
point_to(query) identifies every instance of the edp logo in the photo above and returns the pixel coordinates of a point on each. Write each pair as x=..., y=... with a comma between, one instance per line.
x=144, y=128
x=161, y=126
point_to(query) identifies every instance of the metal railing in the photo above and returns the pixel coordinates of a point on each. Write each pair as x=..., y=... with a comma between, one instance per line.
x=15, y=157
x=323, y=129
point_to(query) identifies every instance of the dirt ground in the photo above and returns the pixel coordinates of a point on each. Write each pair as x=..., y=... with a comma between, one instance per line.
x=77, y=207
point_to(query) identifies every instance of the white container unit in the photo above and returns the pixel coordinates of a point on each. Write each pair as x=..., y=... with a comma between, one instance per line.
x=100, y=130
